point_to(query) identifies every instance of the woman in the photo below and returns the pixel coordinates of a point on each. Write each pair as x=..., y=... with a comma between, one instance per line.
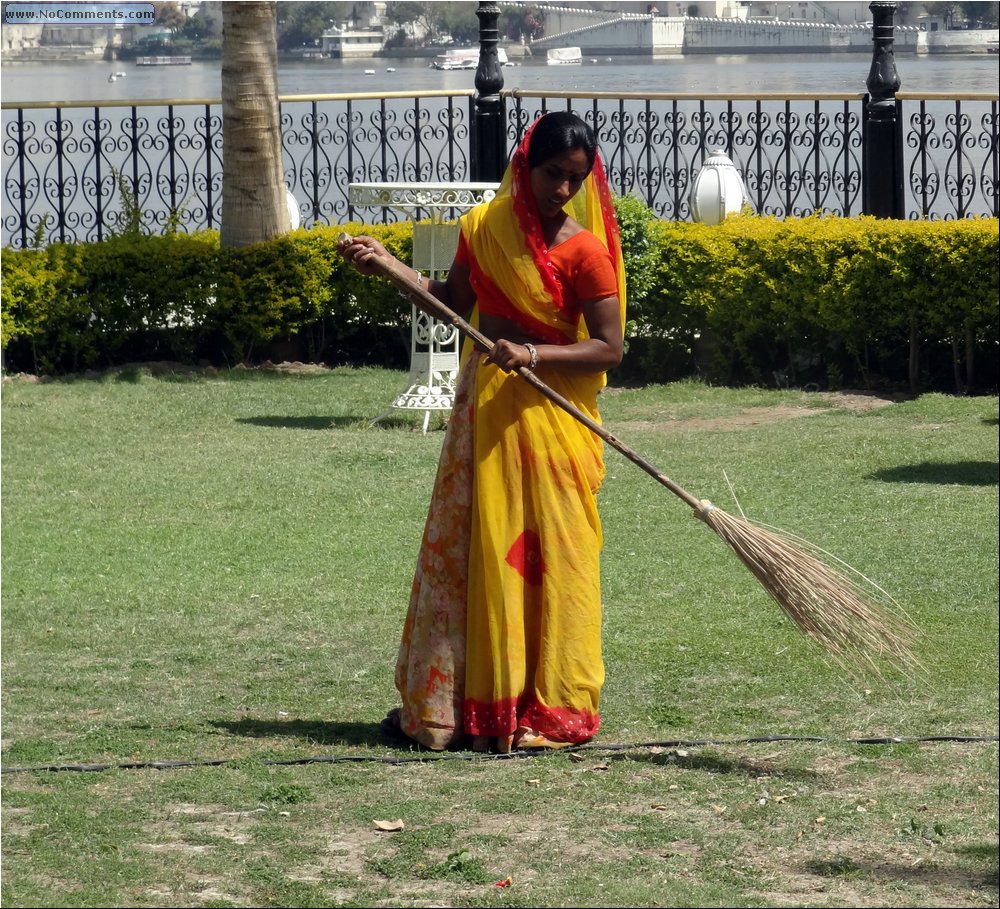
x=502, y=641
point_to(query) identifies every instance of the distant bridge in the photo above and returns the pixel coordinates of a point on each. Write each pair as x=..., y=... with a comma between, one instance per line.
x=599, y=33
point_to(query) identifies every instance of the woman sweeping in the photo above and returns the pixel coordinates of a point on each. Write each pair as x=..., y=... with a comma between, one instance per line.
x=502, y=640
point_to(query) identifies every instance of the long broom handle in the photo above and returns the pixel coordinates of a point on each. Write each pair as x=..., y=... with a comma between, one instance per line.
x=423, y=299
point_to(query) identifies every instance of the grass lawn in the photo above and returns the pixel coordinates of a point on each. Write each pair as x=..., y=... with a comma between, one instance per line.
x=214, y=569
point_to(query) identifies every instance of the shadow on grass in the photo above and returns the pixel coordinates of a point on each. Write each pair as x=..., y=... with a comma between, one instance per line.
x=710, y=762
x=300, y=422
x=312, y=732
x=933, y=874
x=319, y=422
x=963, y=473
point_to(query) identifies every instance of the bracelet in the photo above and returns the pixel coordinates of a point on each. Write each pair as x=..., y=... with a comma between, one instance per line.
x=419, y=282
x=532, y=355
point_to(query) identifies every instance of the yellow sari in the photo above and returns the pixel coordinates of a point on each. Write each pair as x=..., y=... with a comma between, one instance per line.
x=504, y=624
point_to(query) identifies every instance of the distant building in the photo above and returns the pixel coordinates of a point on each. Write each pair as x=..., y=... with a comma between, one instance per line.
x=17, y=38
x=341, y=43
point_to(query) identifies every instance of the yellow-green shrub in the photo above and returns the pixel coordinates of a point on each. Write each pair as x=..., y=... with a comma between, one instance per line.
x=822, y=300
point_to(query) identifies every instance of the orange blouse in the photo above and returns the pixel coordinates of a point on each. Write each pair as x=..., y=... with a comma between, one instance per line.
x=584, y=270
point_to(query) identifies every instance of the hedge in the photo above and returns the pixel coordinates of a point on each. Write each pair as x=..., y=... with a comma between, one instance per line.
x=825, y=301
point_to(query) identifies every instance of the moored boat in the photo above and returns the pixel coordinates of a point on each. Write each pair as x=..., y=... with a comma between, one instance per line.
x=564, y=56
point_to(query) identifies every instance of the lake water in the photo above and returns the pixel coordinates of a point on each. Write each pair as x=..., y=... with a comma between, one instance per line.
x=32, y=82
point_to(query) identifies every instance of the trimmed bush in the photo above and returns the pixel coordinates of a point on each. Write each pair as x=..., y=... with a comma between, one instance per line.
x=822, y=301
x=825, y=300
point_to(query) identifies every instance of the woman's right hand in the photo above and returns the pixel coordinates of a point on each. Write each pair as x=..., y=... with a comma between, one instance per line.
x=361, y=251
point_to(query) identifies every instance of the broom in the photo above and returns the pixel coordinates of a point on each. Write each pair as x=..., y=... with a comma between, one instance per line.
x=834, y=605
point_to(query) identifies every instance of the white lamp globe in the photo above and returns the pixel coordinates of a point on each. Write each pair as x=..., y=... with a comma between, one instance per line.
x=718, y=190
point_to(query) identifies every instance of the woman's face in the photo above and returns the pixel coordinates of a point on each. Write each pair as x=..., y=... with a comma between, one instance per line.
x=557, y=179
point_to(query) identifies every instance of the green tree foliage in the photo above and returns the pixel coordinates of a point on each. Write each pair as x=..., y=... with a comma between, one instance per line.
x=522, y=22
x=458, y=20
x=974, y=14
x=170, y=16
x=303, y=24
x=416, y=18
x=981, y=15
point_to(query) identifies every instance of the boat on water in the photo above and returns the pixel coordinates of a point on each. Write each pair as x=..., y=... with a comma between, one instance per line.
x=163, y=61
x=465, y=58
x=564, y=56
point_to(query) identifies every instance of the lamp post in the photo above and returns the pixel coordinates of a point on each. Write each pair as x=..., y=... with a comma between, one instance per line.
x=489, y=152
x=718, y=191
x=882, y=173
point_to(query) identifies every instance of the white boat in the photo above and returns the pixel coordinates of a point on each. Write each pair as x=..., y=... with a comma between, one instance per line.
x=465, y=58
x=564, y=56
x=163, y=61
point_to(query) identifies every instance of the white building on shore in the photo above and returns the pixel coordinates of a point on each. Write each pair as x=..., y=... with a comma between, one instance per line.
x=343, y=43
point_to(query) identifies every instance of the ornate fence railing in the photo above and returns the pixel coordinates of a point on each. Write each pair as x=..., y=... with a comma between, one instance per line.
x=79, y=171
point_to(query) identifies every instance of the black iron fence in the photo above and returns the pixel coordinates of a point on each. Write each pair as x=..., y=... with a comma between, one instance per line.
x=76, y=172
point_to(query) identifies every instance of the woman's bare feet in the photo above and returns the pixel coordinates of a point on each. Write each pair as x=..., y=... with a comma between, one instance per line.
x=502, y=743
x=525, y=738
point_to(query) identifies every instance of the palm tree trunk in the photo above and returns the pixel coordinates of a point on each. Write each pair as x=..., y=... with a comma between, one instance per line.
x=254, y=206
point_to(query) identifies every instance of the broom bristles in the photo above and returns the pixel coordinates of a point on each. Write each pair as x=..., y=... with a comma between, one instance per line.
x=848, y=616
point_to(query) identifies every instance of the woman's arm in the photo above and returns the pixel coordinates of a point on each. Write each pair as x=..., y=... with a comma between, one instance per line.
x=456, y=292
x=600, y=352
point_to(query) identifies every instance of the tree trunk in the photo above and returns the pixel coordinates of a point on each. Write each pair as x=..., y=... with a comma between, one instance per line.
x=254, y=206
x=914, y=364
x=970, y=360
x=956, y=366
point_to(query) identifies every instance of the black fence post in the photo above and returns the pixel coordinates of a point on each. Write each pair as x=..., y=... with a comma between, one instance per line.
x=489, y=150
x=882, y=134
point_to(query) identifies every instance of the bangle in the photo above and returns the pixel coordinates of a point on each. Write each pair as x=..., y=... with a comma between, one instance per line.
x=419, y=281
x=532, y=355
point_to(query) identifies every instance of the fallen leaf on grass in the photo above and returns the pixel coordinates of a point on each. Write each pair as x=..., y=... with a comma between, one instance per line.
x=389, y=826
x=506, y=882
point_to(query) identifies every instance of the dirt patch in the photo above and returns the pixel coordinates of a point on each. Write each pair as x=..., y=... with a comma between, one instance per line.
x=751, y=417
x=859, y=401
x=295, y=368
x=158, y=369
x=747, y=419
